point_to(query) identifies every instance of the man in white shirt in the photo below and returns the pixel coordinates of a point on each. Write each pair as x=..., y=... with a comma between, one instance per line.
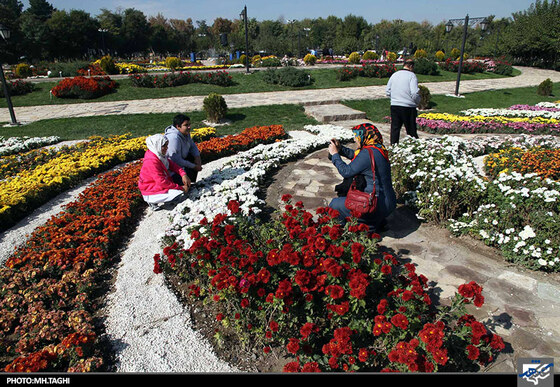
x=405, y=96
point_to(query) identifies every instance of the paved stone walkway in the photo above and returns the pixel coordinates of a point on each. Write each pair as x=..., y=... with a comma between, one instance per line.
x=528, y=77
x=520, y=305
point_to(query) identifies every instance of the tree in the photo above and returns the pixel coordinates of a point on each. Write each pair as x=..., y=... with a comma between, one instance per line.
x=533, y=37
x=41, y=9
x=71, y=34
x=135, y=31
x=10, y=11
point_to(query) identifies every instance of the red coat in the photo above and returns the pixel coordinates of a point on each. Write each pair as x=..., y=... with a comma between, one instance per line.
x=155, y=178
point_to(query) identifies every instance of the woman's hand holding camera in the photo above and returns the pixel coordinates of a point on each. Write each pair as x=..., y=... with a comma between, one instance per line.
x=334, y=146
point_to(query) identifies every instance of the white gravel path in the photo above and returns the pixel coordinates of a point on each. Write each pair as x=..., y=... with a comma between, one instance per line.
x=147, y=325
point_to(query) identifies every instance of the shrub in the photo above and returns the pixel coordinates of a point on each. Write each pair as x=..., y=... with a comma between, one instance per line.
x=18, y=87
x=215, y=107
x=310, y=59
x=84, y=87
x=425, y=97
x=256, y=59
x=545, y=87
x=173, y=62
x=503, y=68
x=440, y=55
x=354, y=58
x=270, y=61
x=370, y=55
x=67, y=69
x=242, y=59
x=288, y=76
x=425, y=66
x=469, y=67
x=347, y=72
x=455, y=52
x=391, y=56
x=377, y=71
x=420, y=53
x=219, y=78
x=108, y=65
x=23, y=70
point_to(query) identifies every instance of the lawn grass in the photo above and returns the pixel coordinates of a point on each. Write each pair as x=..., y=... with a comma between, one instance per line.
x=291, y=117
x=376, y=110
x=243, y=83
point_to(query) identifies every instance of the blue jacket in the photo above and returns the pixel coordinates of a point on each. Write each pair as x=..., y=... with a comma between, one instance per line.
x=180, y=146
x=386, y=197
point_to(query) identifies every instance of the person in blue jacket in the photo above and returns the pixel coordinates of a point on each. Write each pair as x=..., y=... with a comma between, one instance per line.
x=182, y=150
x=366, y=136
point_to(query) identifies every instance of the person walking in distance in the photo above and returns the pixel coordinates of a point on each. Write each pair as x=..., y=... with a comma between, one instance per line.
x=403, y=90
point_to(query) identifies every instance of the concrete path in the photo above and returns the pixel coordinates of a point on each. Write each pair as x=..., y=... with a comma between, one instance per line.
x=528, y=77
x=520, y=305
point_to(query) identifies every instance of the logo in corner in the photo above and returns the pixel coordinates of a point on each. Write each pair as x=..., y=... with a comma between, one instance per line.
x=535, y=372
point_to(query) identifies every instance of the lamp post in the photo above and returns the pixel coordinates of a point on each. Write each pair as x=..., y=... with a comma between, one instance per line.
x=5, y=32
x=243, y=16
x=103, y=30
x=449, y=26
x=306, y=30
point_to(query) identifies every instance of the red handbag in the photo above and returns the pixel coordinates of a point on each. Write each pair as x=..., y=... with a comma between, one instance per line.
x=362, y=202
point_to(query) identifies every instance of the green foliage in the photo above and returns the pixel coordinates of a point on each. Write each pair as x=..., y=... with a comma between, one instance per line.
x=354, y=58
x=425, y=66
x=23, y=70
x=545, y=87
x=108, y=65
x=288, y=76
x=425, y=97
x=173, y=62
x=310, y=59
x=347, y=72
x=420, y=53
x=18, y=87
x=370, y=55
x=270, y=61
x=215, y=107
x=533, y=38
x=67, y=69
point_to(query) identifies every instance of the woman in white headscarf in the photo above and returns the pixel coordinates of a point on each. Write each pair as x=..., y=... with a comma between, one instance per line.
x=155, y=182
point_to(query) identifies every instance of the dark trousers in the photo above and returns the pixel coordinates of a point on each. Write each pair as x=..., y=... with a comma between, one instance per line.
x=191, y=173
x=403, y=115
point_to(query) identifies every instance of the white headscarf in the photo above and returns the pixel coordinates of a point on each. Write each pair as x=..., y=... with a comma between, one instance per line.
x=155, y=143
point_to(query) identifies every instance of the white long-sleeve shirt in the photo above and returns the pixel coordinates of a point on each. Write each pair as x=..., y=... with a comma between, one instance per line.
x=403, y=89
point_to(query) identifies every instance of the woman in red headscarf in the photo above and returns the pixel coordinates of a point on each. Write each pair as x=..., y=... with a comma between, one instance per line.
x=366, y=136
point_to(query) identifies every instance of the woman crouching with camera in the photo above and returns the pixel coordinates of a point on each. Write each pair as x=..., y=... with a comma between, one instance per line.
x=370, y=155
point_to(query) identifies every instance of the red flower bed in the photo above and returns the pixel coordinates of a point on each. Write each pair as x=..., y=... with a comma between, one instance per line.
x=223, y=146
x=84, y=87
x=327, y=294
x=49, y=285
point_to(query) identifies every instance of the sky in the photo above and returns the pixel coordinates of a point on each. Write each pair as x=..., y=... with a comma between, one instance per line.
x=433, y=11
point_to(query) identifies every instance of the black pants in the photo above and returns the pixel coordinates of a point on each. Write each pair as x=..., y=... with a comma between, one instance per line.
x=191, y=173
x=403, y=115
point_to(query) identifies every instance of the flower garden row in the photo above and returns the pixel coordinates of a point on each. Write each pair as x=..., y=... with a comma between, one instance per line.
x=542, y=118
x=301, y=281
x=514, y=206
x=11, y=145
x=33, y=178
x=50, y=286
